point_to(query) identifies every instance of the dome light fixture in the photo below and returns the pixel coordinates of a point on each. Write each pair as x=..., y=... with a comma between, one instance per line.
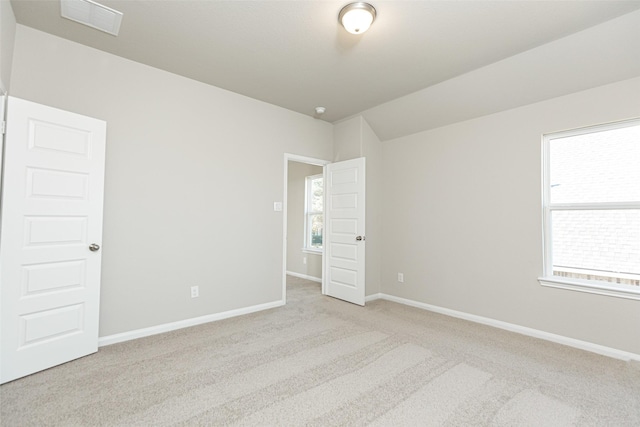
x=357, y=17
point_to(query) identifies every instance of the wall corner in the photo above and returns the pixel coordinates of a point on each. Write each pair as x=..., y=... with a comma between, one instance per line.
x=7, y=41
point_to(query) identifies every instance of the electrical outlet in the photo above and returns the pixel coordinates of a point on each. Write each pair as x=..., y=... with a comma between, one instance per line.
x=304, y=259
x=401, y=277
x=195, y=292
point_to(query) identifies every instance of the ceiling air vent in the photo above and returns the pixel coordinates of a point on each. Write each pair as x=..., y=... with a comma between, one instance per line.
x=92, y=14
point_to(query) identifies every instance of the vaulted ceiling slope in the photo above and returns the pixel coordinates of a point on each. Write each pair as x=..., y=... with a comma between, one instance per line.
x=409, y=72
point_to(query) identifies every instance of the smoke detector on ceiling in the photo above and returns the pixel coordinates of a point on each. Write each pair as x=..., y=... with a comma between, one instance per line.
x=92, y=14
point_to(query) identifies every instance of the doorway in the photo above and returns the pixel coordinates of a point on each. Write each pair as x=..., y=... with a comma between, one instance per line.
x=343, y=248
x=302, y=223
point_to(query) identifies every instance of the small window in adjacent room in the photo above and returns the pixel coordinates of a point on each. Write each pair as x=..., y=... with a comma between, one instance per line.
x=313, y=212
x=591, y=203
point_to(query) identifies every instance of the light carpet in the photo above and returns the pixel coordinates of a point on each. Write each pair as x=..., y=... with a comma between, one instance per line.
x=321, y=362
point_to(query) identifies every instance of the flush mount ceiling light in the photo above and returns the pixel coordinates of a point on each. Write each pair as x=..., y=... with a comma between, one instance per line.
x=92, y=14
x=357, y=17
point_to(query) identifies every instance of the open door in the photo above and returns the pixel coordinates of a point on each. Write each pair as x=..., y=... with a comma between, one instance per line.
x=344, y=219
x=51, y=233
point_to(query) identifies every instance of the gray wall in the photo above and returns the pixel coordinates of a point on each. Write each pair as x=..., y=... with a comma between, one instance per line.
x=462, y=219
x=372, y=151
x=192, y=172
x=295, y=221
x=7, y=36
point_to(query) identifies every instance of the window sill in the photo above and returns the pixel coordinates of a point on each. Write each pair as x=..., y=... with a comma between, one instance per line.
x=312, y=251
x=621, y=291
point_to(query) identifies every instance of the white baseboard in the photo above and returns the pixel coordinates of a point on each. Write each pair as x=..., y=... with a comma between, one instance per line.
x=167, y=327
x=304, y=276
x=373, y=297
x=559, y=339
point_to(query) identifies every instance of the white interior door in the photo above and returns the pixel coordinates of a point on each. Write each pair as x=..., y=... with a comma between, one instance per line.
x=344, y=230
x=51, y=230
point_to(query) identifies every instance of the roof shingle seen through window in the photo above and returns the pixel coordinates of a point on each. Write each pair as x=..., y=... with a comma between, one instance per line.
x=593, y=168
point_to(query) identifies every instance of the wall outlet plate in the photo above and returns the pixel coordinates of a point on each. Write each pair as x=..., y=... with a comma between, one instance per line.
x=195, y=292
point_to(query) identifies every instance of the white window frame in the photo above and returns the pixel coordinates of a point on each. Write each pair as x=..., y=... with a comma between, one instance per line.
x=308, y=213
x=582, y=285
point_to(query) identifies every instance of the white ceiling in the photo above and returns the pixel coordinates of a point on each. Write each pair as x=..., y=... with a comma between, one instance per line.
x=295, y=54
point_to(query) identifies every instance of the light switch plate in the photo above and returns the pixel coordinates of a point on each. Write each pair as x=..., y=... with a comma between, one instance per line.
x=277, y=206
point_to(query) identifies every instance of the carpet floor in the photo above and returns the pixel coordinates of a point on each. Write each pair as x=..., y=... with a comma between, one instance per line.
x=322, y=362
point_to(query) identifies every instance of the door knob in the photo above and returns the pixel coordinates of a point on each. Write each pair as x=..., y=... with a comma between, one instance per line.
x=94, y=247
x=358, y=238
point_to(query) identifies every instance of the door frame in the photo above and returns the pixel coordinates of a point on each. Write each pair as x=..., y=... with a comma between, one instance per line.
x=3, y=117
x=301, y=159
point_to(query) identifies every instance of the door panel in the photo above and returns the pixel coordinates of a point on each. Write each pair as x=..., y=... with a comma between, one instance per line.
x=345, y=222
x=52, y=196
x=52, y=276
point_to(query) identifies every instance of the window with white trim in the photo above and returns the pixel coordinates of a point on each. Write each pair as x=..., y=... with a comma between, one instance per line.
x=591, y=204
x=314, y=219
